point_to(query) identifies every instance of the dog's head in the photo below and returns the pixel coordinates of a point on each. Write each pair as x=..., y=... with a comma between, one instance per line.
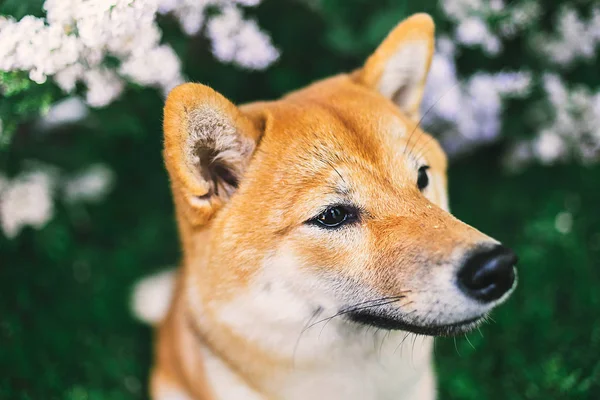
x=331, y=200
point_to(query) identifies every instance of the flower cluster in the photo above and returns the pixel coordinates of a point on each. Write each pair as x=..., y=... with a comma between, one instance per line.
x=575, y=38
x=239, y=41
x=472, y=19
x=573, y=131
x=74, y=40
x=466, y=112
x=28, y=199
x=234, y=39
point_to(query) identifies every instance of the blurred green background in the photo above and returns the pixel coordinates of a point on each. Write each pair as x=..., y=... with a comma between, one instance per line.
x=66, y=331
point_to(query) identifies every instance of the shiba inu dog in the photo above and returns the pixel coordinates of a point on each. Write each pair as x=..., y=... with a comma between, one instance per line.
x=316, y=240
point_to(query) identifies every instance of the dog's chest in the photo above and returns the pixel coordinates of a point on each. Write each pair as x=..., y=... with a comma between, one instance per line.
x=391, y=371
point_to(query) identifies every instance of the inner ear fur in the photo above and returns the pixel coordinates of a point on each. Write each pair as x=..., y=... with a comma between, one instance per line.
x=208, y=143
x=399, y=66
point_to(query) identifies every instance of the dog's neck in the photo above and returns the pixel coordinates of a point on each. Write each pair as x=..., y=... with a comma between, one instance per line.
x=261, y=347
x=368, y=376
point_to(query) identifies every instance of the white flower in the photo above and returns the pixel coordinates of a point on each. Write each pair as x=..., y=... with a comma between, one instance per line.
x=248, y=3
x=241, y=41
x=69, y=110
x=445, y=46
x=575, y=38
x=513, y=84
x=27, y=200
x=159, y=67
x=442, y=98
x=480, y=119
x=549, y=147
x=103, y=86
x=91, y=185
x=470, y=112
x=474, y=31
x=67, y=78
x=460, y=9
x=472, y=18
x=571, y=127
x=72, y=42
x=518, y=17
x=564, y=222
x=190, y=13
x=32, y=46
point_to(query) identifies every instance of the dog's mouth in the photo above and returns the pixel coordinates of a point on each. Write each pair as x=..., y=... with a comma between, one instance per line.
x=382, y=321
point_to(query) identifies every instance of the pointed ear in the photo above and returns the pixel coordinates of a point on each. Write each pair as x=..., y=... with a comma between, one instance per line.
x=398, y=68
x=208, y=143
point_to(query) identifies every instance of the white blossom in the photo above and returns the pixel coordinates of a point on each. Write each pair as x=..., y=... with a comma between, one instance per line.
x=575, y=117
x=72, y=42
x=518, y=17
x=241, y=41
x=189, y=13
x=26, y=200
x=157, y=67
x=68, y=77
x=575, y=38
x=192, y=13
x=563, y=222
x=103, y=86
x=474, y=31
x=32, y=46
x=468, y=112
x=549, y=147
x=472, y=19
x=90, y=185
x=570, y=128
x=66, y=111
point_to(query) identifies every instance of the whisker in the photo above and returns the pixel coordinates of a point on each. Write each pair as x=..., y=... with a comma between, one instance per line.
x=354, y=308
x=466, y=337
x=456, y=347
x=402, y=341
x=336, y=171
x=427, y=112
x=314, y=315
x=412, y=354
x=418, y=154
x=385, y=337
x=479, y=329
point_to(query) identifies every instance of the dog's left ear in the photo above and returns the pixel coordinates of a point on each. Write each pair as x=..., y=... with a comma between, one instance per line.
x=398, y=68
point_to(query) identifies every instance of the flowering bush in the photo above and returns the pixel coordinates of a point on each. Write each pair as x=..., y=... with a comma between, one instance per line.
x=75, y=44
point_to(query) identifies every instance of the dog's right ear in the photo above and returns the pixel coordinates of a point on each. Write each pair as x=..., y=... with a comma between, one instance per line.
x=208, y=143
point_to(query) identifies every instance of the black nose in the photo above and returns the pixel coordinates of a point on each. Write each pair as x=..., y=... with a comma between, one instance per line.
x=488, y=273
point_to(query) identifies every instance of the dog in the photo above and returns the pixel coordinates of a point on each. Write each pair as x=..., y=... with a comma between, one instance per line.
x=319, y=255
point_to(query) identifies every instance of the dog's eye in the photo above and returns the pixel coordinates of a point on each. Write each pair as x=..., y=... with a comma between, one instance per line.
x=423, y=179
x=334, y=216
